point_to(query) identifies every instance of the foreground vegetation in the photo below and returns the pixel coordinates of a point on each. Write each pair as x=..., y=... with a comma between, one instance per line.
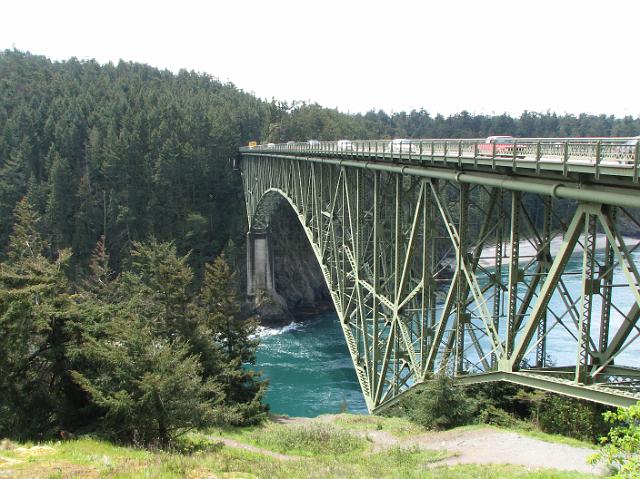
x=139, y=357
x=317, y=450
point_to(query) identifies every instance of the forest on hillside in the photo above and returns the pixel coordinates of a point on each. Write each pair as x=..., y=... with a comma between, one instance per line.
x=129, y=151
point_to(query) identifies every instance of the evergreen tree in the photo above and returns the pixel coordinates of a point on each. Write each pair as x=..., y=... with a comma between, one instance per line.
x=83, y=228
x=236, y=338
x=166, y=278
x=99, y=282
x=147, y=388
x=60, y=205
x=25, y=242
x=37, y=317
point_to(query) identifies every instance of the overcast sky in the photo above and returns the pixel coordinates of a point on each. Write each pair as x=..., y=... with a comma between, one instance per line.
x=443, y=56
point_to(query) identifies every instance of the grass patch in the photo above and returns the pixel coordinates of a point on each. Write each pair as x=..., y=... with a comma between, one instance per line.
x=89, y=458
x=308, y=440
x=397, y=426
x=326, y=450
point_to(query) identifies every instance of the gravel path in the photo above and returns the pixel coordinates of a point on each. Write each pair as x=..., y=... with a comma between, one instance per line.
x=489, y=446
x=482, y=446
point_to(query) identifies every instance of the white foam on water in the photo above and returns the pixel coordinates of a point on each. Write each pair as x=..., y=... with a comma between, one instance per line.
x=265, y=332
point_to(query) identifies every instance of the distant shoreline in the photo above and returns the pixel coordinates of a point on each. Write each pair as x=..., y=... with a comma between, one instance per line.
x=527, y=250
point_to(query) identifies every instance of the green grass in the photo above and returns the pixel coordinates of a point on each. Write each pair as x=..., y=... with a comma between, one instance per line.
x=309, y=440
x=397, y=426
x=324, y=450
x=97, y=459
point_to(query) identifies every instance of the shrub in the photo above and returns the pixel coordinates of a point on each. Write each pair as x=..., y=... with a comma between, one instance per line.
x=621, y=447
x=572, y=418
x=499, y=417
x=441, y=404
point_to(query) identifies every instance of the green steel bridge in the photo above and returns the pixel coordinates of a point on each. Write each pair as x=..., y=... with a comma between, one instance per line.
x=507, y=260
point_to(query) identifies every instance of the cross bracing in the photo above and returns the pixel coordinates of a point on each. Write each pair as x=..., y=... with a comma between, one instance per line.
x=480, y=271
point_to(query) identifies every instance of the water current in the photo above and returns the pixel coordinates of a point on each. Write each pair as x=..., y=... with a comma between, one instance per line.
x=309, y=368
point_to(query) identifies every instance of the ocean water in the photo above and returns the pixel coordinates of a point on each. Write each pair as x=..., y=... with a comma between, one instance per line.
x=310, y=370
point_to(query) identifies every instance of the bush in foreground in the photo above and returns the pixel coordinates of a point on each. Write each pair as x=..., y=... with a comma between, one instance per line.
x=442, y=404
x=622, y=445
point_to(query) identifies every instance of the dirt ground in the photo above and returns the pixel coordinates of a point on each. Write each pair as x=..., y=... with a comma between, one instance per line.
x=485, y=446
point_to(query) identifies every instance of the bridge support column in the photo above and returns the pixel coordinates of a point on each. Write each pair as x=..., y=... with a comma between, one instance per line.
x=260, y=267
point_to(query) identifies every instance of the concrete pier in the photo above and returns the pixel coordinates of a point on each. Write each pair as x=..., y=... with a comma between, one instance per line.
x=260, y=267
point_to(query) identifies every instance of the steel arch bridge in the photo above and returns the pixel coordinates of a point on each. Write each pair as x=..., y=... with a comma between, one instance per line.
x=487, y=261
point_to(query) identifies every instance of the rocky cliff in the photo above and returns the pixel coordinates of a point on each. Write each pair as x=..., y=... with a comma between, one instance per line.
x=300, y=286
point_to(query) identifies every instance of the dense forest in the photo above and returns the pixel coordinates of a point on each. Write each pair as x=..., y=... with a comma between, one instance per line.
x=117, y=200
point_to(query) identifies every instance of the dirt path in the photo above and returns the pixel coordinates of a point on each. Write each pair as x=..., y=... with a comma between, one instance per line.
x=481, y=446
x=489, y=446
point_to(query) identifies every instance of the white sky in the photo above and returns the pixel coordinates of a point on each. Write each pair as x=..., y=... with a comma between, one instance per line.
x=444, y=56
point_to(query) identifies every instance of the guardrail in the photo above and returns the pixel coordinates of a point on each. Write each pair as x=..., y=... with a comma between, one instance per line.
x=610, y=156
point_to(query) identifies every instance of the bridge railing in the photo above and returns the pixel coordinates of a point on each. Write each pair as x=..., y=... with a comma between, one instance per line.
x=609, y=155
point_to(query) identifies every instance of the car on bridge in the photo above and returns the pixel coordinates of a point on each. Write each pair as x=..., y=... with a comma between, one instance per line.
x=501, y=145
x=313, y=143
x=401, y=145
x=344, y=145
x=628, y=149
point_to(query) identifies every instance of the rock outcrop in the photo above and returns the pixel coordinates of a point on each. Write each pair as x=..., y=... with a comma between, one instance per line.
x=300, y=286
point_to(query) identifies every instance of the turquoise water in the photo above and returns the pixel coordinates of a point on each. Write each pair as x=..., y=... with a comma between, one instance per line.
x=311, y=373
x=309, y=368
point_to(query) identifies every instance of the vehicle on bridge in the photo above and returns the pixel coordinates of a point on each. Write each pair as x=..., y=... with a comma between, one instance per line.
x=501, y=146
x=344, y=145
x=628, y=149
x=401, y=145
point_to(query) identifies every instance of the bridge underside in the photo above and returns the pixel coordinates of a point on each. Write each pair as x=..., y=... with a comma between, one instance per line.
x=501, y=279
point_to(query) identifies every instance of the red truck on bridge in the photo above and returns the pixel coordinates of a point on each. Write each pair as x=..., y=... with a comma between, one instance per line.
x=499, y=145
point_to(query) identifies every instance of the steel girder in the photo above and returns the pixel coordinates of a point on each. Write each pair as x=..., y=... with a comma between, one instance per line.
x=432, y=274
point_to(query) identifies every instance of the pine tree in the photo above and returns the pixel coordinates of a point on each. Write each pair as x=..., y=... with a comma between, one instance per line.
x=166, y=277
x=12, y=187
x=149, y=389
x=148, y=386
x=236, y=338
x=99, y=282
x=37, y=314
x=60, y=205
x=83, y=229
x=25, y=241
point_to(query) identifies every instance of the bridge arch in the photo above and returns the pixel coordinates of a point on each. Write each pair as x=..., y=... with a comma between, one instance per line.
x=260, y=261
x=403, y=249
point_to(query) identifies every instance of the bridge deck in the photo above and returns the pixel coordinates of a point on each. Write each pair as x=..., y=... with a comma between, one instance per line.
x=614, y=157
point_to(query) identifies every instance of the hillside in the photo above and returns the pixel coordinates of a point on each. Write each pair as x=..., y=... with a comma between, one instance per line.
x=329, y=446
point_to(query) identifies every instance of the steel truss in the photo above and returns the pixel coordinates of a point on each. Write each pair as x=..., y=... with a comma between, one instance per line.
x=432, y=274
